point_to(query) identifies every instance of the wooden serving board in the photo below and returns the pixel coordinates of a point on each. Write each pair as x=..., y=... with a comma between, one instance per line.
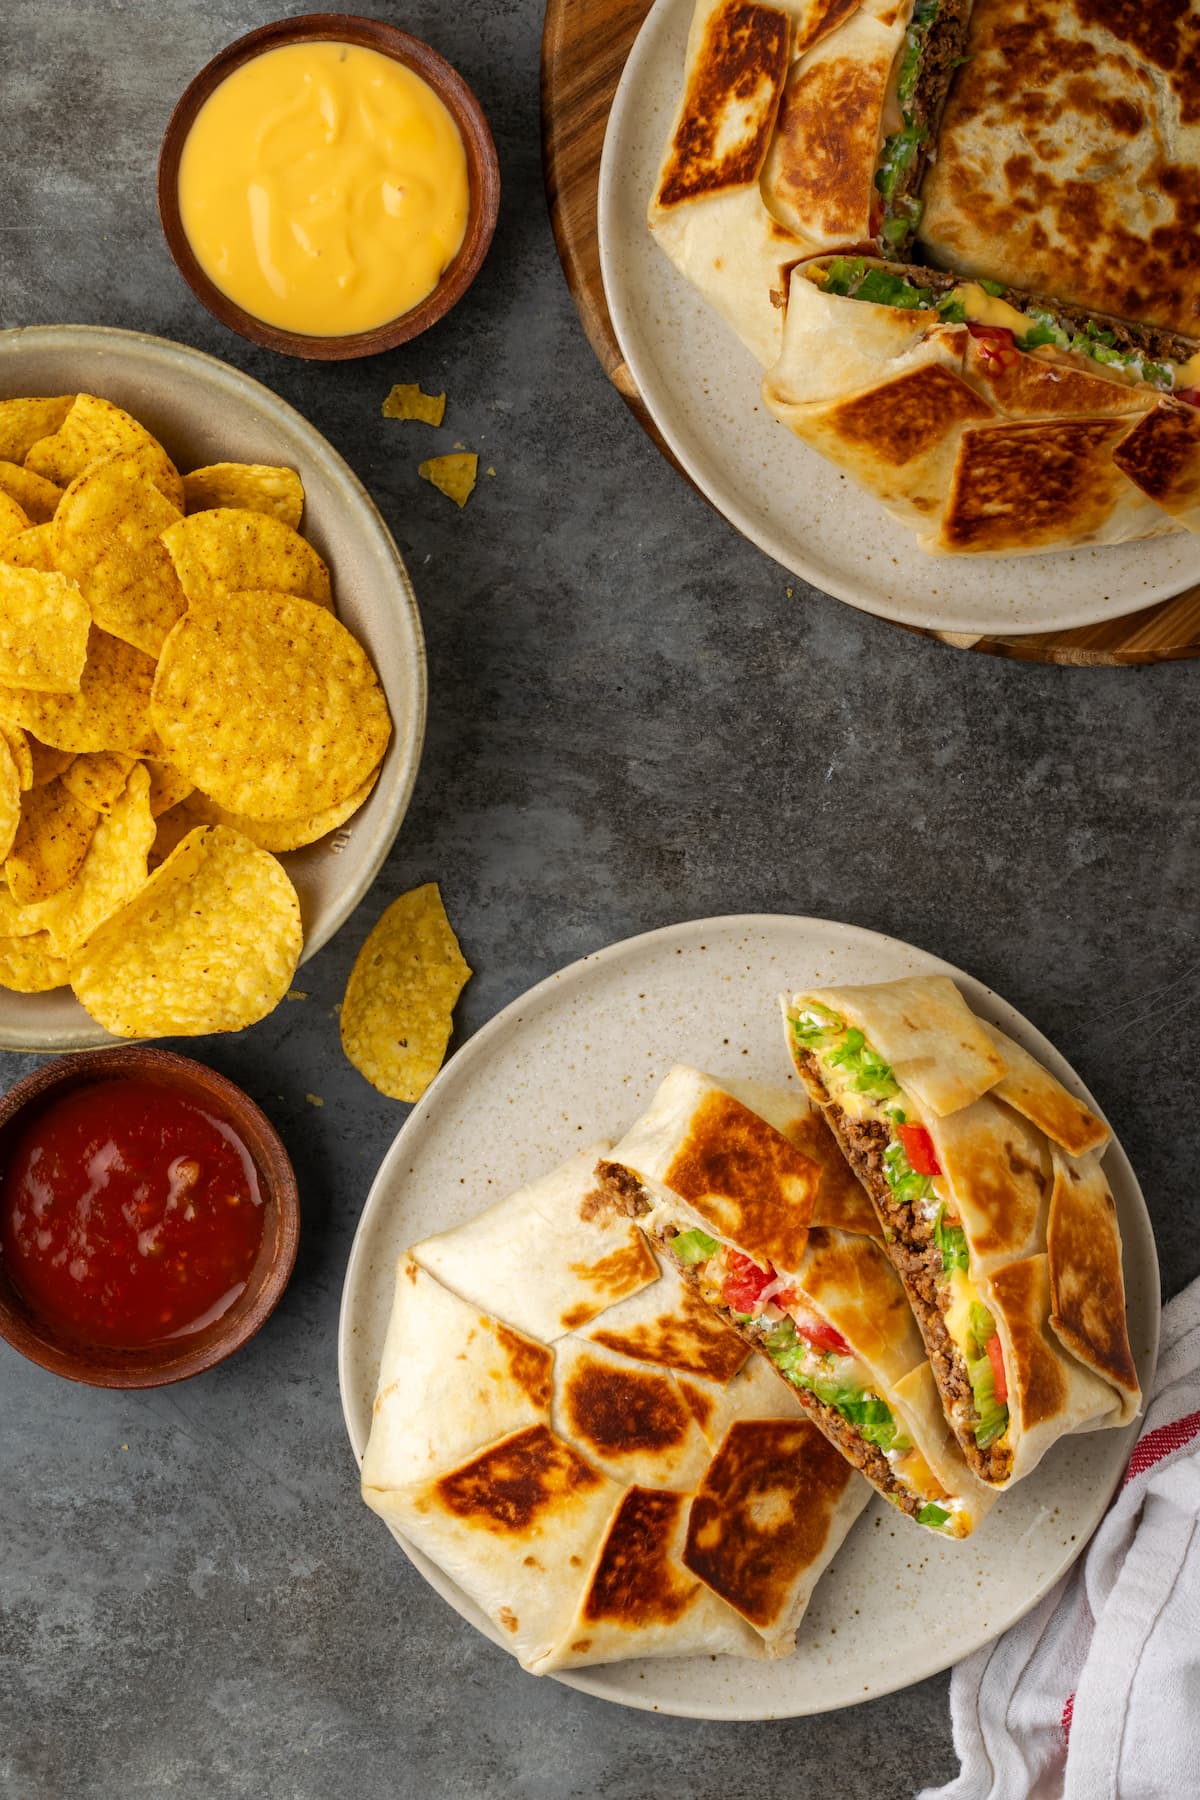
x=584, y=47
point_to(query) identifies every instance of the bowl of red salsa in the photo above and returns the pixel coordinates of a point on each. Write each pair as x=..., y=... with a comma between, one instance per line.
x=148, y=1217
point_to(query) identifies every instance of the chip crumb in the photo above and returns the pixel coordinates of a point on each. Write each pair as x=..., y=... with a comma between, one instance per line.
x=406, y=401
x=314, y=1099
x=295, y=994
x=789, y=592
x=453, y=476
x=124, y=1446
x=491, y=471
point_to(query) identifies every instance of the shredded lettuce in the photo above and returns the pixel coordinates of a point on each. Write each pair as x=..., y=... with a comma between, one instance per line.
x=843, y=274
x=871, y=1074
x=951, y=1240
x=814, y=1025
x=923, y=15
x=886, y=289
x=870, y=1415
x=994, y=288
x=693, y=1246
x=992, y=1421
x=907, y=1186
x=952, y=311
x=932, y=1514
x=982, y=1326
x=896, y=157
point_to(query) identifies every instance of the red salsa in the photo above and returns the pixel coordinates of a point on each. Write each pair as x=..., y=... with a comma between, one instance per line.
x=130, y=1214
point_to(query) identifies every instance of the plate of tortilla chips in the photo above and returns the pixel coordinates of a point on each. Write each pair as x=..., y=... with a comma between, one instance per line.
x=212, y=691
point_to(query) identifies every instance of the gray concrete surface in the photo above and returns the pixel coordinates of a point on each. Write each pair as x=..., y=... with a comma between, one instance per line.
x=631, y=723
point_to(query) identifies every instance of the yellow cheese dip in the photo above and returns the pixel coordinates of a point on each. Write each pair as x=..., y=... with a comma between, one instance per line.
x=323, y=187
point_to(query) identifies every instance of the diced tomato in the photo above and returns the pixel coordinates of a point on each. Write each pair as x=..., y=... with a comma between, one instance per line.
x=821, y=1336
x=1191, y=395
x=744, y=1281
x=997, y=345
x=918, y=1147
x=996, y=1358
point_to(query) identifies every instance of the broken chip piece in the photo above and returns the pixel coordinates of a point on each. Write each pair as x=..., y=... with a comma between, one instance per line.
x=452, y=475
x=406, y=401
x=44, y=622
x=398, y=1011
x=51, y=842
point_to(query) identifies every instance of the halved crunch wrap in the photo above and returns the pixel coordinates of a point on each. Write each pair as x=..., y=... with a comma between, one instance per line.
x=991, y=421
x=745, y=1188
x=589, y=1454
x=984, y=1171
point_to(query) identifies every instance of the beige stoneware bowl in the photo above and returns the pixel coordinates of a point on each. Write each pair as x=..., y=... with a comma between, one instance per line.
x=205, y=412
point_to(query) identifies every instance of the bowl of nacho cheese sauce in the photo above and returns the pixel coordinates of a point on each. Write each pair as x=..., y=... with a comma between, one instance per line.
x=328, y=186
x=148, y=1217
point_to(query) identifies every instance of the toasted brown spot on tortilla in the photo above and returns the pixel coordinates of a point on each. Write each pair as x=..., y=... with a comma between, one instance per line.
x=1087, y=1293
x=637, y=1582
x=581, y=1646
x=624, y=1269
x=511, y=1484
x=1161, y=455
x=699, y=1403
x=729, y=104
x=690, y=1338
x=822, y=157
x=1033, y=1371
x=744, y=1178
x=1031, y=483
x=529, y=1364
x=908, y=416
x=763, y=1512
x=508, y=1619
x=623, y=1412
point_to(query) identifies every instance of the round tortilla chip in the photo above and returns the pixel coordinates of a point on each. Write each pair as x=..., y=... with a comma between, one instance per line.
x=44, y=625
x=29, y=966
x=268, y=705
x=106, y=538
x=94, y=428
x=280, y=835
x=24, y=422
x=110, y=711
x=256, y=487
x=31, y=549
x=51, y=842
x=232, y=549
x=397, y=1014
x=36, y=496
x=209, y=944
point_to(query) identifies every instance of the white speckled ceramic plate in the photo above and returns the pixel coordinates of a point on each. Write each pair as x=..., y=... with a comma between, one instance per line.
x=204, y=411
x=702, y=390
x=576, y=1059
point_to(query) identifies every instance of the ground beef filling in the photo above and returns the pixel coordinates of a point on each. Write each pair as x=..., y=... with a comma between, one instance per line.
x=919, y=1262
x=939, y=58
x=629, y=1195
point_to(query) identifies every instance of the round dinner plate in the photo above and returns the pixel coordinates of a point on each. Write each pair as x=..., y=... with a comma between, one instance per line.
x=577, y=1058
x=204, y=412
x=702, y=389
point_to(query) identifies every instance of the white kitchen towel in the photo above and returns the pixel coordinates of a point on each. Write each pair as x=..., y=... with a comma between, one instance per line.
x=1096, y=1694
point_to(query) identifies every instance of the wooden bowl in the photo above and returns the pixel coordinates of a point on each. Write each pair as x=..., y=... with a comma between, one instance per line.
x=483, y=178
x=155, y=1365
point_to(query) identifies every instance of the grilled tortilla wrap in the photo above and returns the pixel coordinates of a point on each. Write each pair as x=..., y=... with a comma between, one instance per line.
x=996, y=1213
x=992, y=422
x=802, y=126
x=732, y=1195
x=553, y=1409
x=1067, y=156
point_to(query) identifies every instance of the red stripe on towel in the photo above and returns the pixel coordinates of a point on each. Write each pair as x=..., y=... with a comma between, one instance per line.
x=1161, y=1442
